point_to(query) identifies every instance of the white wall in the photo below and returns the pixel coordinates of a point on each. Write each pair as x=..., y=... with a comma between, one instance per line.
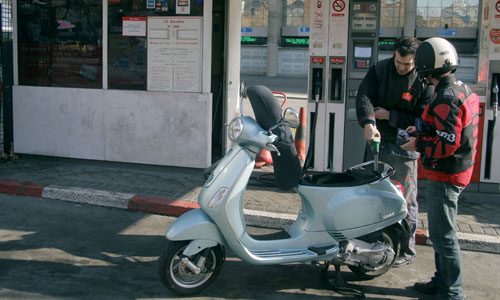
x=130, y=126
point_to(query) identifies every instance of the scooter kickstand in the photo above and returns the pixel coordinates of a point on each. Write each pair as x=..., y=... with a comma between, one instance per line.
x=338, y=283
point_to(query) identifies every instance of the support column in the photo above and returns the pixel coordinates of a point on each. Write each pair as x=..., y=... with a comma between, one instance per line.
x=410, y=18
x=274, y=21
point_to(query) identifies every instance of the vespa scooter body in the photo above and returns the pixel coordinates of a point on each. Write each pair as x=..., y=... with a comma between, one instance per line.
x=340, y=207
x=339, y=211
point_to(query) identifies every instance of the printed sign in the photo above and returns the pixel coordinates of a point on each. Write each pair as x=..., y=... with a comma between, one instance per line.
x=183, y=7
x=161, y=5
x=337, y=60
x=320, y=60
x=446, y=32
x=174, y=54
x=338, y=5
x=495, y=36
x=338, y=28
x=134, y=26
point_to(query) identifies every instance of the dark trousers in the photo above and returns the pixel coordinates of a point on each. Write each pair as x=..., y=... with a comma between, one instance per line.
x=442, y=198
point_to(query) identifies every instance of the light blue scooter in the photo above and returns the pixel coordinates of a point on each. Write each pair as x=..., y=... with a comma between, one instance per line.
x=350, y=218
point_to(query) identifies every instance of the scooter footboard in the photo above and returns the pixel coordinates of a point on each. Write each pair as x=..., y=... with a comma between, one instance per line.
x=194, y=225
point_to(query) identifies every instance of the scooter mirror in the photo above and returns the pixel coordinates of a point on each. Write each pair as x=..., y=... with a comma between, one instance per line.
x=291, y=117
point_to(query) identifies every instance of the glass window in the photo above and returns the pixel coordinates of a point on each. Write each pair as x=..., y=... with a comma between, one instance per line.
x=392, y=13
x=254, y=13
x=447, y=13
x=127, y=53
x=60, y=43
x=296, y=13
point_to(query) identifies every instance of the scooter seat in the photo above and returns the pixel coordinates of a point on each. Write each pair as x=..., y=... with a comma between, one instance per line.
x=267, y=114
x=353, y=177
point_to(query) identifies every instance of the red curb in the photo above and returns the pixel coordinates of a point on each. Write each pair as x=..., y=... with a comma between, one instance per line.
x=422, y=237
x=161, y=206
x=23, y=188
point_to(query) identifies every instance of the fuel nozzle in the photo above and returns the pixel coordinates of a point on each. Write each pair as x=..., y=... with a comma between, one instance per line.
x=375, y=147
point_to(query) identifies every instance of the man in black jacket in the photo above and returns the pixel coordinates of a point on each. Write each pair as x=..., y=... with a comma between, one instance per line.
x=390, y=98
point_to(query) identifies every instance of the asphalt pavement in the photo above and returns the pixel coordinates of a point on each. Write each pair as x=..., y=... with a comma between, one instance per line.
x=172, y=191
x=55, y=250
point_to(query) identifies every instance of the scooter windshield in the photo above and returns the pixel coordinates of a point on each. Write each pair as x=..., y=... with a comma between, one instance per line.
x=268, y=113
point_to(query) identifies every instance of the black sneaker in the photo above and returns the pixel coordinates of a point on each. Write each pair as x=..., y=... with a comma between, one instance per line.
x=403, y=261
x=429, y=288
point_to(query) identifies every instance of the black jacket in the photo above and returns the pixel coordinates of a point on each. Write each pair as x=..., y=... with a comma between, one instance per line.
x=403, y=95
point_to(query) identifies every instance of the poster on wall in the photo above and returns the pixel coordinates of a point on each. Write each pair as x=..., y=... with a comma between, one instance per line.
x=183, y=7
x=134, y=26
x=174, y=54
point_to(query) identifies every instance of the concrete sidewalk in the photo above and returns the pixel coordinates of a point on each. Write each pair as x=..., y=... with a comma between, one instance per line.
x=173, y=191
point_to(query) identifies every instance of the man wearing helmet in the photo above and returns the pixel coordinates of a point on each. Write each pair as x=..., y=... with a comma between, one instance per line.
x=447, y=139
x=392, y=97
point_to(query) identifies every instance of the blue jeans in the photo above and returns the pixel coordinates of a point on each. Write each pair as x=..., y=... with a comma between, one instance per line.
x=442, y=198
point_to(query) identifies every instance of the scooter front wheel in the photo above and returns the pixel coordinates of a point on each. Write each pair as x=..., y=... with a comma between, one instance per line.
x=179, y=278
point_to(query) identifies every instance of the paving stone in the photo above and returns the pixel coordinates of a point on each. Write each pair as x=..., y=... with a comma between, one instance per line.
x=464, y=228
x=490, y=230
x=250, y=206
x=477, y=229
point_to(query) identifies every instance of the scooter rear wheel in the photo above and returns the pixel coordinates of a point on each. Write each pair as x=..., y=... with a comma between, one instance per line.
x=177, y=277
x=390, y=238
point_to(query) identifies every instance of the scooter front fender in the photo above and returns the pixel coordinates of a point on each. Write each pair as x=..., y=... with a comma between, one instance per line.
x=194, y=225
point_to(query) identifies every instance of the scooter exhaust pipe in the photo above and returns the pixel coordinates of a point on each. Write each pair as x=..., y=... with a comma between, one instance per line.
x=358, y=250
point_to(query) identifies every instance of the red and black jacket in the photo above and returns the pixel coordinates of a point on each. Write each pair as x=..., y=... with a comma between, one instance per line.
x=449, y=151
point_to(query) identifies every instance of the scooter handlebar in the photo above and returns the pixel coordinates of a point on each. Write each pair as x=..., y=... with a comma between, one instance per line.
x=272, y=147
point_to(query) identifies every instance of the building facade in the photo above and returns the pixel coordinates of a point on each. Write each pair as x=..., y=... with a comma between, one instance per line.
x=136, y=81
x=456, y=20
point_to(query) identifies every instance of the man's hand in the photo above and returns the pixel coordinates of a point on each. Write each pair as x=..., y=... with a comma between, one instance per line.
x=410, y=145
x=371, y=132
x=412, y=130
x=382, y=113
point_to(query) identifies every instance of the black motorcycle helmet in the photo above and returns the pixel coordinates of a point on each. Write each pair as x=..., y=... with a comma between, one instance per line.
x=435, y=56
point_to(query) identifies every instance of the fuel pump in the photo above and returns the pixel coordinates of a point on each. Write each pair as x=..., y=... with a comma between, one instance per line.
x=328, y=44
x=486, y=174
x=493, y=104
x=315, y=107
x=364, y=26
x=342, y=47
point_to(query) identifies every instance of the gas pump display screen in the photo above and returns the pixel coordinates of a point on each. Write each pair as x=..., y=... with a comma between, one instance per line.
x=364, y=21
x=362, y=57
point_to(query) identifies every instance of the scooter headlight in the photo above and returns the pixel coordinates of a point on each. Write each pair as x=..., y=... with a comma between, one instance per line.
x=235, y=129
x=217, y=198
